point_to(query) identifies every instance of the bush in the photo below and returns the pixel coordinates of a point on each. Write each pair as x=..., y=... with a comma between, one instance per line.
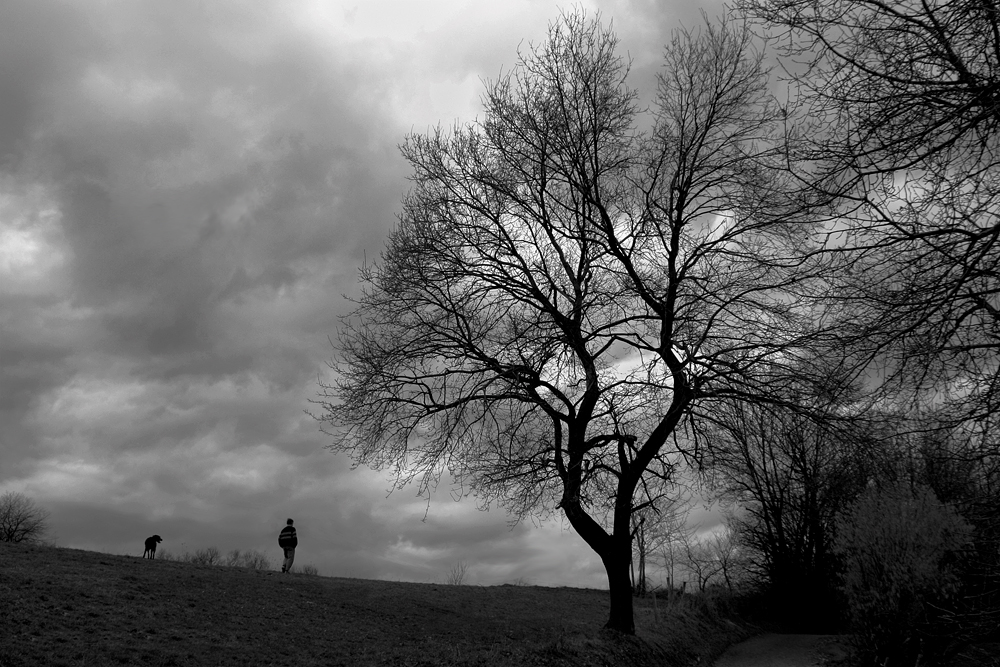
x=252, y=559
x=899, y=550
x=310, y=570
x=209, y=556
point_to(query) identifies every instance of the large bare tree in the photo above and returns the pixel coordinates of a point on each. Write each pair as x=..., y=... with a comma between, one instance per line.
x=570, y=276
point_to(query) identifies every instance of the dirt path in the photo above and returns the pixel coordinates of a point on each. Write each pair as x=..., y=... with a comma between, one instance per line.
x=772, y=650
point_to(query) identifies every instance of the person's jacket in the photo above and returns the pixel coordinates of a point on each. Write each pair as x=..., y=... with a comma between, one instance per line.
x=287, y=538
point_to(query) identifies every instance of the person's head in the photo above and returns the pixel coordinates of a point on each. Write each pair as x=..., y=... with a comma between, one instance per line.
x=289, y=522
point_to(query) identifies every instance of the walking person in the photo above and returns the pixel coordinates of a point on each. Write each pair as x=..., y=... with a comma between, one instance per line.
x=287, y=540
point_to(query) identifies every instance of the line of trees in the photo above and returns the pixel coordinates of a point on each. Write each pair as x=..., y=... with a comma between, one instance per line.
x=798, y=295
x=669, y=554
x=897, y=116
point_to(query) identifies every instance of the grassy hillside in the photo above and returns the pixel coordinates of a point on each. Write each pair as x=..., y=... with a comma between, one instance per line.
x=70, y=607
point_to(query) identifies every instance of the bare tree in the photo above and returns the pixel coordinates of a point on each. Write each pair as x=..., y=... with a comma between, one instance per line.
x=789, y=474
x=21, y=520
x=658, y=530
x=717, y=555
x=671, y=552
x=640, y=549
x=730, y=554
x=566, y=292
x=456, y=575
x=700, y=561
x=904, y=134
x=906, y=142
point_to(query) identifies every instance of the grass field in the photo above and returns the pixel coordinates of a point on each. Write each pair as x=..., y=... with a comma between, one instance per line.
x=70, y=607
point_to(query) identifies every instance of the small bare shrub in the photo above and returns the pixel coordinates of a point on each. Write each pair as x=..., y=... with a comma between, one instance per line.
x=456, y=577
x=252, y=559
x=209, y=556
x=310, y=570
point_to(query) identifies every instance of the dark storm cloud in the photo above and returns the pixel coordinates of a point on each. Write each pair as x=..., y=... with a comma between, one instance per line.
x=189, y=174
x=198, y=159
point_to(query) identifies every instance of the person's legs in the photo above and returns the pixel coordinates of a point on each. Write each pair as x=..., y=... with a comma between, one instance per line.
x=289, y=559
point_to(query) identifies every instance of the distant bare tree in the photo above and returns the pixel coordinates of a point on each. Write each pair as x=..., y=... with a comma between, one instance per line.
x=730, y=554
x=572, y=284
x=657, y=532
x=640, y=550
x=709, y=558
x=456, y=576
x=706, y=559
x=700, y=560
x=21, y=520
x=789, y=475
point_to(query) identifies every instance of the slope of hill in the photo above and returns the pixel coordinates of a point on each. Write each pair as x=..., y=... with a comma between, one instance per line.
x=70, y=607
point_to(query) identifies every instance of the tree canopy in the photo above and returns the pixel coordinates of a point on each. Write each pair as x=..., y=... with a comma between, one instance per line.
x=897, y=105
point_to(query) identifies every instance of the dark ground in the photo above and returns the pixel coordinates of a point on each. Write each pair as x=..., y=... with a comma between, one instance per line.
x=70, y=607
x=783, y=650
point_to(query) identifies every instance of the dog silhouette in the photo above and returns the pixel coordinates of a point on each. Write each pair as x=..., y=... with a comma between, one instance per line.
x=151, y=543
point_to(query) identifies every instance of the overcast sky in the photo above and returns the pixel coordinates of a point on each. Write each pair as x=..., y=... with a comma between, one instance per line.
x=186, y=191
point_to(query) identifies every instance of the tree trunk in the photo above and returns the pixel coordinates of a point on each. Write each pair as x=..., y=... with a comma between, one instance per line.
x=616, y=563
x=615, y=551
x=642, y=560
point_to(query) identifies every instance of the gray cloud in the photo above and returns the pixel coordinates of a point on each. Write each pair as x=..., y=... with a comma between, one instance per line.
x=186, y=191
